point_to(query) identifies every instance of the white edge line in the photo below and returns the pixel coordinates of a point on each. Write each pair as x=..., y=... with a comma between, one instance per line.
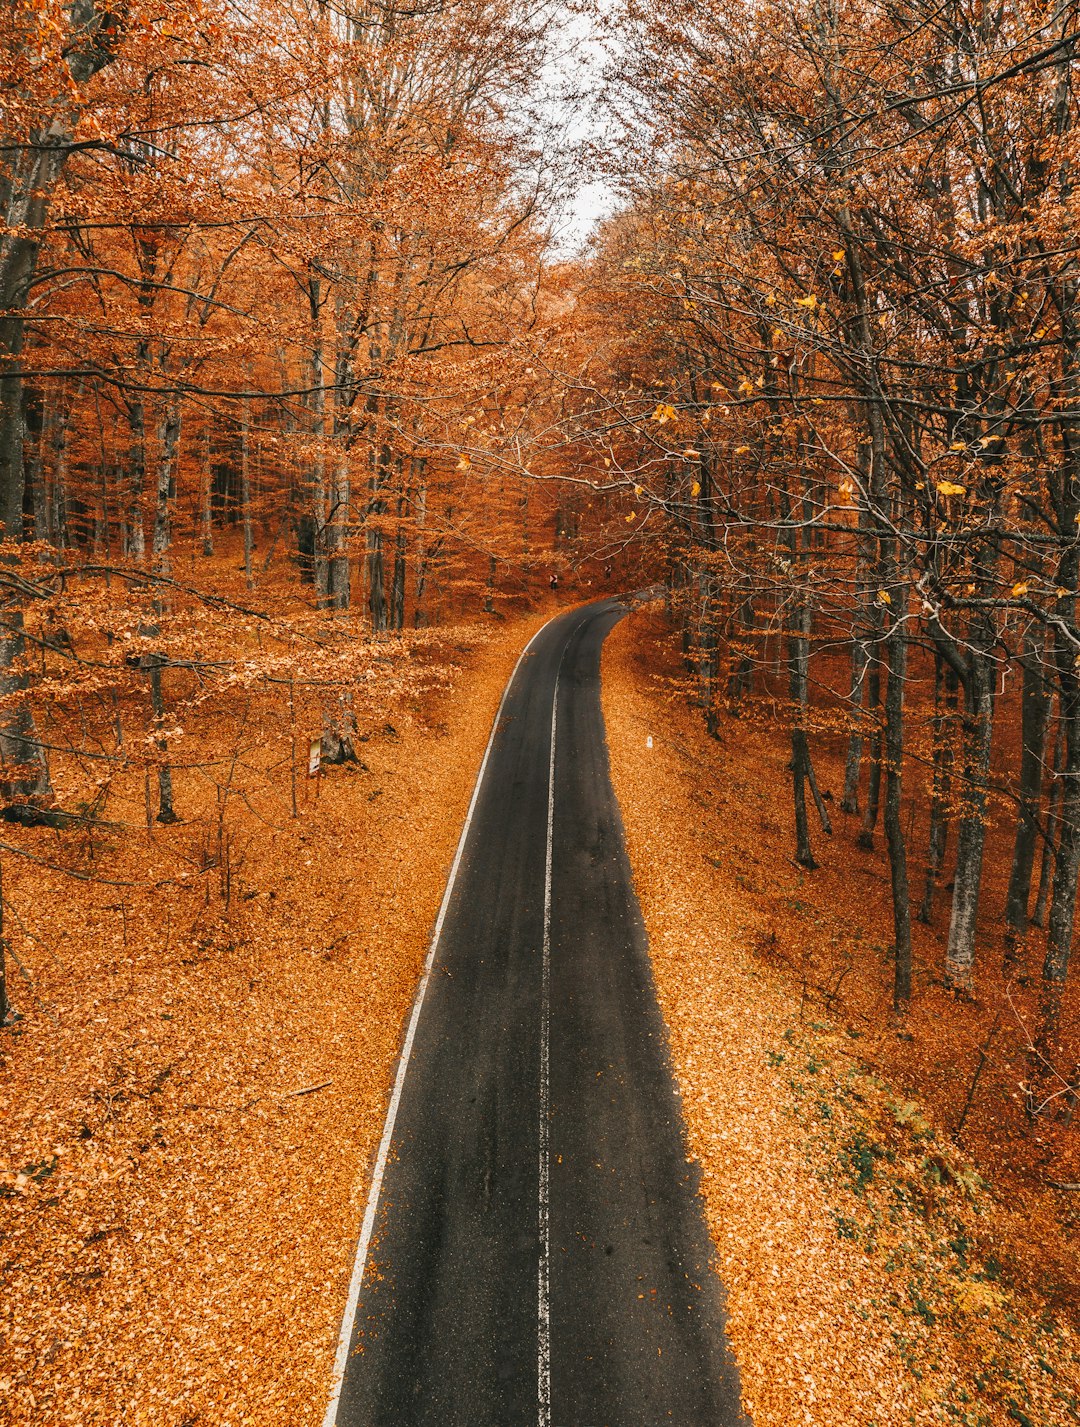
x=348, y=1322
x=544, y=1209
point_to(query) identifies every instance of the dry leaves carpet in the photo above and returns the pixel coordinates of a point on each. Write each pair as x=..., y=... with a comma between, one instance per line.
x=864, y=1256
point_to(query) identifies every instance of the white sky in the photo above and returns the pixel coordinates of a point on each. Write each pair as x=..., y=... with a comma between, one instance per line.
x=570, y=90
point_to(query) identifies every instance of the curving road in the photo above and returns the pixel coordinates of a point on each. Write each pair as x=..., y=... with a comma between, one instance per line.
x=534, y=1253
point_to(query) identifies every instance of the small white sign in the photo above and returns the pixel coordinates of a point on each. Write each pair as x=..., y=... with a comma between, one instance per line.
x=648, y=741
x=314, y=757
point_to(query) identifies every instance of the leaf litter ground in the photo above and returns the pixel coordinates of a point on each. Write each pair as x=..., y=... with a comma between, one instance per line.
x=875, y=1275
x=194, y=1095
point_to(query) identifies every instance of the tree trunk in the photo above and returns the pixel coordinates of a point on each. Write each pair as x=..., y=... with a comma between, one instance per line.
x=944, y=677
x=397, y=585
x=1034, y=717
x=166, y=812
x=135, y=535
x=207, y=494
x=798, y=657
x=337, y=551
x=1053, y=805
x=865, y=838
x=59, y=421
x=421, y=557
x=708, y=656
x=971, y=836
x=320, y=571
x=245, y=498
x=853, y=764
x=19, y=743
x=741, y=669
x=34, y=461
x=169, y=440
x=894, y=832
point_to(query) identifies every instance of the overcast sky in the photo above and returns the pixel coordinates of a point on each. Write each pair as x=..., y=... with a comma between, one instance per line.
x=570, y=87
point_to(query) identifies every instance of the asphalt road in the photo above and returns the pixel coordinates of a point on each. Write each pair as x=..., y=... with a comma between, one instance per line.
x=537, y=1253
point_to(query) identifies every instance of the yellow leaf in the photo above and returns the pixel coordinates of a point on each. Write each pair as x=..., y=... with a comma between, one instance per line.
x=746, y=387
x=978, y=1296
x=838, y=253
x=637, y=490
x=958, y=446
x=663, y=414
x=463, y=464
x=810, y=301
x=631, y=516
x=695, y=489
x=770, y=301
x=741, y=450
x=1020, y=588
x=950, y=488
x=884, y=596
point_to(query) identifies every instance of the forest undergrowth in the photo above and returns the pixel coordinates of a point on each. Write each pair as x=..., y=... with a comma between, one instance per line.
x=208, y=1029
x=889, y=1234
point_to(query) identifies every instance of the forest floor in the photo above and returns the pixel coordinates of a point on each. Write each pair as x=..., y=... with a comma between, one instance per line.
x=879, y=1268
x=197, y=1085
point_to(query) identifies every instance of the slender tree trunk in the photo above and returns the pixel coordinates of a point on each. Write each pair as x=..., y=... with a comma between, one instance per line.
x=34, y=461
x=19, y=743
x=135, y=542
x=376, y=579
x=741, y=672
x=798, y=658
x=168, y=443
x=873, y=791
x=894, y=832
x=207, y=493
x=11, y=428
x=320, y=566
x=245, y=497
x=1034, y=717
x=397, y=582
x=1059, y=932
x=707, y=657
x=971, y=835
x=376, y=575
x=853, y=764
x=421, y=558
x=945, y=686
x=1053, y=806
x=166, y=812
x=60, y=411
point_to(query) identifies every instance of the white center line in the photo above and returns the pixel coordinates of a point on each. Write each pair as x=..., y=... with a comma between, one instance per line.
x=348, y=1321
x=544, y=1275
